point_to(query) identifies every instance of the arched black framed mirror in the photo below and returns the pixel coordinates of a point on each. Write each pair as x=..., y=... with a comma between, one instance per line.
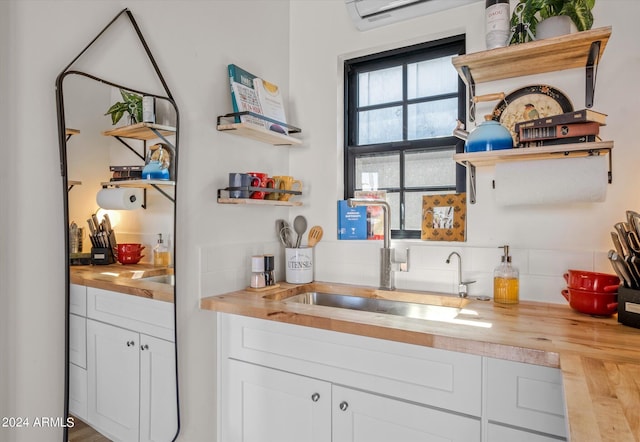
x=119, y=170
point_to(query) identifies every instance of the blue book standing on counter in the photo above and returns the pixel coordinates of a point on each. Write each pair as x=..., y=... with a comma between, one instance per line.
x=352, y=221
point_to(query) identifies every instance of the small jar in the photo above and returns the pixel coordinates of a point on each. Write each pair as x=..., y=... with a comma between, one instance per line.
x=257, y=272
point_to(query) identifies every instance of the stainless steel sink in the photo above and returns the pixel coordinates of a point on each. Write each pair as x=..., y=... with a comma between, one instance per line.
x=377, y=305
x=164, y=279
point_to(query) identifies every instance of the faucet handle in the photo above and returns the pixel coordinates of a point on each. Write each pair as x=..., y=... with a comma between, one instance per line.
x=403, y=265
x=463, y=289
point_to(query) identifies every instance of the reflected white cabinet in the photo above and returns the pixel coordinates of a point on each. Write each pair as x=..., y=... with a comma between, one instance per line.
x=124, y=385
x=113, y=368
x=359, y=416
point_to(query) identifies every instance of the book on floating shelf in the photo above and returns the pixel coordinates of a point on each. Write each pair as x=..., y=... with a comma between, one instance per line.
x=243, y=97
x=579, y=116
x=558, y=131
x=271, y=102
x=558, y=141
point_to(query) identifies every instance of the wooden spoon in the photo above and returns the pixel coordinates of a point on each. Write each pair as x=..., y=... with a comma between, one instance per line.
x=315, y=235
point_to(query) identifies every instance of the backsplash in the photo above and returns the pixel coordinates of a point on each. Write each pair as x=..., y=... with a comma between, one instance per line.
x=226, y=268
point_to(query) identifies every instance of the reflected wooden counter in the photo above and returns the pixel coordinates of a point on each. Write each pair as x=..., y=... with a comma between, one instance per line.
x=127, y=279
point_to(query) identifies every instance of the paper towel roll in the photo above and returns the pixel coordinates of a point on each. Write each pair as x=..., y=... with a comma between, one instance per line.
x=553, y=181
x=120, y=198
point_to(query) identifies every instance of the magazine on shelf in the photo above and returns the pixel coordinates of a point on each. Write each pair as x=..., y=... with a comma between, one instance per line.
x=240, y=76
x=271, y=102
x=247, y=100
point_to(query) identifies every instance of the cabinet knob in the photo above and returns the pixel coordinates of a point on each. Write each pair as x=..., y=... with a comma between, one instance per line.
x=315, y=397
x=144, y=347
x=344, y=405
x=130, y=343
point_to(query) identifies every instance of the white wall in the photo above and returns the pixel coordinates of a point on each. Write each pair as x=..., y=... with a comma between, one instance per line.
x=298, y=45
x=545, y=240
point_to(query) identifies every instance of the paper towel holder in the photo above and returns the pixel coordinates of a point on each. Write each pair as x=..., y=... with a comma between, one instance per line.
x=144, y=194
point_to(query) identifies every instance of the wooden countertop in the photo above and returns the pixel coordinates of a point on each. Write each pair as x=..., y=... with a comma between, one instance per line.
x=599, y=357
x=125, y=279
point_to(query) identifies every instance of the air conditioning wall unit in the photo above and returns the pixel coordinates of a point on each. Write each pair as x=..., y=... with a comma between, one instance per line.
x=369, y=14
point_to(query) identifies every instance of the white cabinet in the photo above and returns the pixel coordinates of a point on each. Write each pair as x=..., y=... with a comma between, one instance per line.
x=78, y=351
x=113, y=369
x=364, y=417
x=527, y=396
x=285, y=382
x=262, y=404
x=124, y=385
x=158, y=403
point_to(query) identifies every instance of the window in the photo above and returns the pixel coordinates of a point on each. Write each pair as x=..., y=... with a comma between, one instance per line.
x=401, y=108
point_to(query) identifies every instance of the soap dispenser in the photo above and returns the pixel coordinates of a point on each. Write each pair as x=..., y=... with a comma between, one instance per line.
x=161, y=253
x=506, y=280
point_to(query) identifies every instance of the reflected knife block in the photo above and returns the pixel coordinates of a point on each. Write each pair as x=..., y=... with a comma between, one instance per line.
x=102, y=256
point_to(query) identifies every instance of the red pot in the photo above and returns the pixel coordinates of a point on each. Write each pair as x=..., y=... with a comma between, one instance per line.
x=129, y=258
x=592, y=303
x=591, y=281
x=134, y=248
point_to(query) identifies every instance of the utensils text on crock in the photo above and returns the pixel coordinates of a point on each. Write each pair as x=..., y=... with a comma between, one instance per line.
x=315, y=235
x=300, y=226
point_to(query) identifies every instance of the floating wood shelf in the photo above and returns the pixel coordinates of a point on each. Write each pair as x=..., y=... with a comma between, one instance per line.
x=140, y=183
x=471, y=160
x=141, y=131
x=259, y=134
x=258, y=202
x=69, y=131
x=578, y=50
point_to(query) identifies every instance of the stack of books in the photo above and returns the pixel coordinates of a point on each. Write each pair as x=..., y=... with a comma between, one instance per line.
x=251, y=93
x=125, y=173
x=582, y=126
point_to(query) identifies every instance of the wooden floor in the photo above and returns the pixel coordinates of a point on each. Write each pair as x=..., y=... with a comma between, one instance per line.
x=82, y=432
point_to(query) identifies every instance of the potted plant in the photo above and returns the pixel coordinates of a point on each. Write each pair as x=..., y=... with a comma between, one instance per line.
x=539, y=15
x=132, y=104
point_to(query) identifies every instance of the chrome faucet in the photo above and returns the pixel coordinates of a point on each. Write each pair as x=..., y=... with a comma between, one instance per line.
x=386, y=252
x=462, y=285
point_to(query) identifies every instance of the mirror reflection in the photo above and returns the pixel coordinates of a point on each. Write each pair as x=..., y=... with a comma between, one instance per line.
x=120, y=202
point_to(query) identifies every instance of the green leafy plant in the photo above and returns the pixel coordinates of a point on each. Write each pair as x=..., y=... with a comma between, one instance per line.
x=132, y=105
x=534, y=11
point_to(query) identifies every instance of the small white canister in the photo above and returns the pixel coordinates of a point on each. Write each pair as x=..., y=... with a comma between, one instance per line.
x=299, y=265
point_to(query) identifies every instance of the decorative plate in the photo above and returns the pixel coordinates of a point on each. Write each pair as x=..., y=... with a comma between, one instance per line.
x=528, y=103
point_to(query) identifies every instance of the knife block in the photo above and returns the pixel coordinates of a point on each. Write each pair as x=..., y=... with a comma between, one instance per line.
x=102, y=256
x=629, y=307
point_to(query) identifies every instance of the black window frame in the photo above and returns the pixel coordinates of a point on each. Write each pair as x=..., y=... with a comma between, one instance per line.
x=454, y=45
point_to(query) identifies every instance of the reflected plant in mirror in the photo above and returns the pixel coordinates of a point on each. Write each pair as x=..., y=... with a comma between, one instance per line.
x=121, y=332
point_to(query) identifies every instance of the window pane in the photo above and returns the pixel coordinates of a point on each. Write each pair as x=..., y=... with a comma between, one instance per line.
x=413, y=209
x=431, y=77
x=381, y=86
x=430, y=168
x=432, y=119
x=377, y=171
x=381, y=126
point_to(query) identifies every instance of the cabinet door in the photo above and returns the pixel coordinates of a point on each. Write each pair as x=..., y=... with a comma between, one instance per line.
x=113, y=368
x=365, y=417
x=158, y=404
x=261, y=404
x=78, y=391
x=78, y=340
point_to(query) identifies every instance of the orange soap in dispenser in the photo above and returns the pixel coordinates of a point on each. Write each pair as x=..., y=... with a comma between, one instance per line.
x=161, y=255
x=506, y=280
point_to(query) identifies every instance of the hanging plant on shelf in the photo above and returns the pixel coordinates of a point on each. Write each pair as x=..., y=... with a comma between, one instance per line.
x=132, y=105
